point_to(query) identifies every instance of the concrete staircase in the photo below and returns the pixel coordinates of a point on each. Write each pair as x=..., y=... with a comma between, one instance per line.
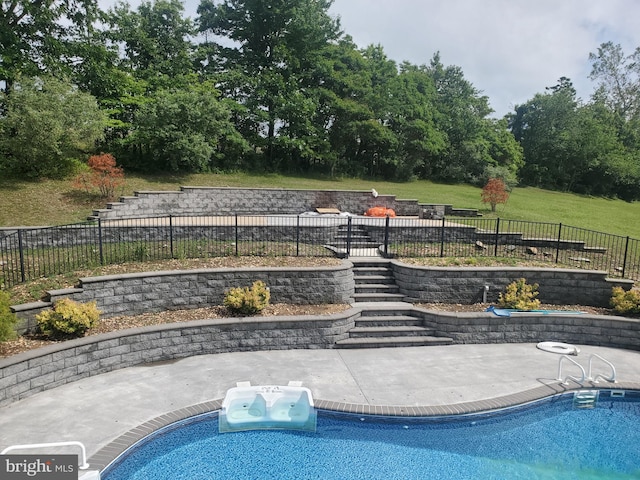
x=385, y=319
x=392, y=324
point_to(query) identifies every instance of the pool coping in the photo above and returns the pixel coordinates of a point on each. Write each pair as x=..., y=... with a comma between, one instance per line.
x=110, y=452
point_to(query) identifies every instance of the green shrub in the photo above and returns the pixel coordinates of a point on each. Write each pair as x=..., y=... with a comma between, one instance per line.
x=520, y=295
x=625, y=302
x=7, y=318
x=248, y=301
x=68, y=318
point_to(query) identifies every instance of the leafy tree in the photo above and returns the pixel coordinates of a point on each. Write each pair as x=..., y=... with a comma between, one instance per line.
x=271, y=61
x=35, y=35
x=574, y=147
x=461, y=117
x=412, y=118
x=48, y=127
x=494, y=193
x=155, y=40
x=186, y=130
x=104, y=175
x=544, y=126
x=619, y=79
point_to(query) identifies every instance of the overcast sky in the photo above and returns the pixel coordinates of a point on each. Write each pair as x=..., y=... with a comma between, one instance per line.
x=508, y=49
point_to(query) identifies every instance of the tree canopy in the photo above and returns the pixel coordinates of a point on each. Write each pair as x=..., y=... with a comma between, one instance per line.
x=278, y=86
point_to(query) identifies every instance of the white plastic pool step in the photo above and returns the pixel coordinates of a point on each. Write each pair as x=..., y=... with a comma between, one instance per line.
x=585, y=398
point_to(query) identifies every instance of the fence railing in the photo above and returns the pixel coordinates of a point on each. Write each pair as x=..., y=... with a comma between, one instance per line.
x=30, y=253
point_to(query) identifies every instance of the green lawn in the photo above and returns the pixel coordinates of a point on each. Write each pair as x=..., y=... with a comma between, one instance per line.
x=55, y=202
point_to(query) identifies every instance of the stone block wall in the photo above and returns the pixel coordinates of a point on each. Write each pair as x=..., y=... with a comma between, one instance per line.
x=135, y=293
x=38, y=370
x=599, y=330
x=259, y=201
x=466, y=285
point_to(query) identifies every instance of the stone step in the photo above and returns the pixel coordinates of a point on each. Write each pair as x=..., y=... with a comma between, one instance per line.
x=378, y=297
x=388, y=321
x=391, y=331
x=382, y=288
x=362, y=271
x=368, y=279
x=354, y=236
x=392, y=342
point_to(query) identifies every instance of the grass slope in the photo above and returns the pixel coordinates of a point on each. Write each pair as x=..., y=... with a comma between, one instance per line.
x=52, y=202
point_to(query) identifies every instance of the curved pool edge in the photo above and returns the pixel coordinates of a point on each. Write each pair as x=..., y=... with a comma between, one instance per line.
x=114, y=449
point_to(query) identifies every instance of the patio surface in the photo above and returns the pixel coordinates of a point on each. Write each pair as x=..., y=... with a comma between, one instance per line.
x=104, y=411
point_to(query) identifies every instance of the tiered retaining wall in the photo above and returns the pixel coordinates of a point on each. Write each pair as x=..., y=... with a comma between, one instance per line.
x=136, y=293
x=474, y=328
x=31, y=372
x=466, y=285
x=34, y=371
x=259, y=201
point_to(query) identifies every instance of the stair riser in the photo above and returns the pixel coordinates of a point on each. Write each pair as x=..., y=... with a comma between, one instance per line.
x=375, y=279
x=377, y=289
x=369, y=297
x=389, y=323
x=408, y=333
x=399, y=343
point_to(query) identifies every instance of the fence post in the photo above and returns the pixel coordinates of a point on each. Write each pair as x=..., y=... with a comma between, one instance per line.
x=386, y=237
x=236, y=235
x=558, y=244
x=298, y=236
x=171, y=235
x=100, y=252
x=624, y=262
x=21, y=250
x=495, y=250
x=348, y=236
x=442, y=238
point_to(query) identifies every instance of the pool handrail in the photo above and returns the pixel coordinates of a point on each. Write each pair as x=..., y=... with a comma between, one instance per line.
x=565, y=381
x=590, y=377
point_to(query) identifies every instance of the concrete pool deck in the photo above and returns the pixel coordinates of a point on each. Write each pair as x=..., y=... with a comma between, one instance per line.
x=108, y=412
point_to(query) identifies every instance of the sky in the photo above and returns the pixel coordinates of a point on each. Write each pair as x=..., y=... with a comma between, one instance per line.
x=508, y=49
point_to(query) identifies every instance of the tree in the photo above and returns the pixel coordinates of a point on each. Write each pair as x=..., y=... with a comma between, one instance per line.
x=545, y=127
x=573, y=147
x=104, y=175
x=619, y=79
x=155, y=40
x=35, y=35
x=274, y=53
x=495, y=192
x=461, y=117
x=186, y=130
x=48, y=127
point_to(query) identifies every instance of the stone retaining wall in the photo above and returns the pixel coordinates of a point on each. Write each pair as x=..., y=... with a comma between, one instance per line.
x=466, y=285
x=31, y=372
x=38, y=370
x=261, y=201
x=135, y=293
x=474, y=328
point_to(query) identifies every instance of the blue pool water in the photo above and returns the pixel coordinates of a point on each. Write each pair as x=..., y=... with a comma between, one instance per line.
x=547, y=440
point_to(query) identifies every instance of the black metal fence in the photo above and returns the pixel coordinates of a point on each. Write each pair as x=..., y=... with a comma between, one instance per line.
x=30, y=253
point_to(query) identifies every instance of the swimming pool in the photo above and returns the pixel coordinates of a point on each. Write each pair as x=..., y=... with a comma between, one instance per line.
x=547, y=440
